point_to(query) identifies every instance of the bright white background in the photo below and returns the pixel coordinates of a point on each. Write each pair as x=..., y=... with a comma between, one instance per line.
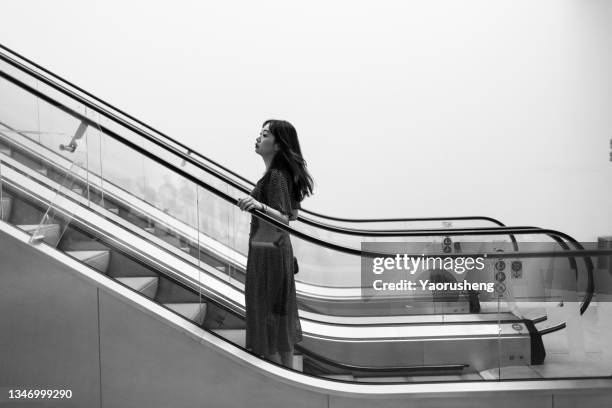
x=404, y=108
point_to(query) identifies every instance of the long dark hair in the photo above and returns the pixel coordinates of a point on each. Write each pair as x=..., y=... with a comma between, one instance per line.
x=289, y=157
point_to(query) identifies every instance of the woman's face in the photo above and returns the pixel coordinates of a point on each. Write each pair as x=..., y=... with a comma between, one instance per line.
x=265, y=144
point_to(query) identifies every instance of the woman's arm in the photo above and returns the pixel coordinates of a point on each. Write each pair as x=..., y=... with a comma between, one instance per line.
x=249, y=203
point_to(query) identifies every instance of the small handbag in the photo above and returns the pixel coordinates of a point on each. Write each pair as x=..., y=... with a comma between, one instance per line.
x=296, y=267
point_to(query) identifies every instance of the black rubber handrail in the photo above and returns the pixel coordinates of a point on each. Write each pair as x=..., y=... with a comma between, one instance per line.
x=539, y=319
x=138, y=148
x=552, y=329
x=231, y=172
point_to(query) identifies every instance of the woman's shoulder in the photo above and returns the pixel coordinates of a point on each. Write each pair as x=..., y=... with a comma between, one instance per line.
x=276, y=176
x=276, y=172
x=258, y=186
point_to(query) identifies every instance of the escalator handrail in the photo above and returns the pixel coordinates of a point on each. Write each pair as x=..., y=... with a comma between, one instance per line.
x=552, y=329
x=138, y=148
x=225, y=169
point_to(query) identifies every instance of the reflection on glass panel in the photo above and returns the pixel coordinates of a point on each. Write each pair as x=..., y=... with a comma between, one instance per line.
x=213, y=239
x=21, y=113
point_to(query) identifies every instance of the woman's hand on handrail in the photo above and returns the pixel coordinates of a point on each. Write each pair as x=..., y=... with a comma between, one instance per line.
x=248, y=203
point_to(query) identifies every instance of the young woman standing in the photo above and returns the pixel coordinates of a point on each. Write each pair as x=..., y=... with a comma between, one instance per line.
x=272, y=322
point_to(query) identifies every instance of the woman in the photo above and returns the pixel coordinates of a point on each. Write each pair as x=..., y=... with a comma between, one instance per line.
x=272, y=322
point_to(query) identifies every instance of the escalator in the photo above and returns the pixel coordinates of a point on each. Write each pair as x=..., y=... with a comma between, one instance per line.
x=333, y=347
x=79, y=207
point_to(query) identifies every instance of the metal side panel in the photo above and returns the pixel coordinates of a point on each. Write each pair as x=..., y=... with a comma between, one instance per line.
x=49, y=326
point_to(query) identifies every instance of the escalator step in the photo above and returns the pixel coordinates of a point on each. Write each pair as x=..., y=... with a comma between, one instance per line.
x=5, y=207
x=26, y=211
x=298, y=362
x=233, y=335
x=75, y=240
x=342, y=377
x=145, y=285
x=77, y=190
x=171, y=292
x=98, y=260
x=49, y=233
x=114, y=210
x=192, y=311
x=510, y=372
x=219, y=319
x=43, y=170
x=122, y=265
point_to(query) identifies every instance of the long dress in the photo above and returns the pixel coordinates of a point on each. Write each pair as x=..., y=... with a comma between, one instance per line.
x=272, y=322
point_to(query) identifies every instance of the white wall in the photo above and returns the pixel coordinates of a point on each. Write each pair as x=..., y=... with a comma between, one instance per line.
x=404, y=108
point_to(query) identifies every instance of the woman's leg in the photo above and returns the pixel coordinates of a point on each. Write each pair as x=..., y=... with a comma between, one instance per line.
x=287, y=358
x=275, y=358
